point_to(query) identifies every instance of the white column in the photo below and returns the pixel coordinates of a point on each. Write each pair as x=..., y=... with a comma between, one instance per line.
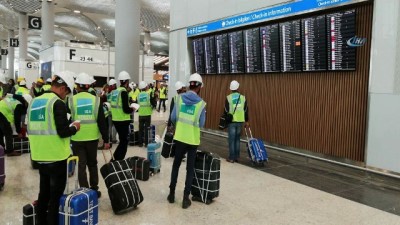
x=127, y=37
x=23, y=36
x=146, y=41
x=10, y=56
x=47, y=23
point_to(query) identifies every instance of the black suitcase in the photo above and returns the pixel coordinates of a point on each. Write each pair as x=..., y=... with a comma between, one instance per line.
x=123, y=189
x=205, y=186
x=140, y=167
x=134, y=138
x=168, y=149
x=29, y=214
x=21, y=144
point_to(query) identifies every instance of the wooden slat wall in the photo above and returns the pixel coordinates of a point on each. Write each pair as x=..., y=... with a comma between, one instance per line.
x=322, y=112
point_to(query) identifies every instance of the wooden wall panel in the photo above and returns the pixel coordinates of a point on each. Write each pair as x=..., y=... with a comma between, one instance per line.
x=322, y=112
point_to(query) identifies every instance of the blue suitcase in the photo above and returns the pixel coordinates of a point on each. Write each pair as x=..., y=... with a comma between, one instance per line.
x=256, y=149
x=154, y=156
x=79, y=207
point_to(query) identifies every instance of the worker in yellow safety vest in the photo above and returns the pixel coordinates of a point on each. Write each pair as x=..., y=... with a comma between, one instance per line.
x=163, y=96
x=145, y=112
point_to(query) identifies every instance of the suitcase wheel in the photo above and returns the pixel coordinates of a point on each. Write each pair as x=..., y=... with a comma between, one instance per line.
x=1, y=187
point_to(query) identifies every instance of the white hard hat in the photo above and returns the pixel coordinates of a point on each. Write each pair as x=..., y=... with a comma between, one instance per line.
x=123, y=75
x=132, y=85
x=28, y=98
x=112, y=82
x=22, y=83
x=234, y=85
x=92, y=79
x=68, y=78
x=83, y=78
x=142, y=85
x=179, y=85
x=197, y=78
x=49, y=80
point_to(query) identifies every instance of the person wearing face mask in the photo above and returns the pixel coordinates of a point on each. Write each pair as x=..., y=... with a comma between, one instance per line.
x=49, y=133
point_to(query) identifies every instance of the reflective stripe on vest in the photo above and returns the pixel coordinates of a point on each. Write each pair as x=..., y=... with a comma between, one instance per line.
x=144, y=102
x=238, y=116
x=85, y=107
x=187, y=125
x=45, y=143
x=7, y=108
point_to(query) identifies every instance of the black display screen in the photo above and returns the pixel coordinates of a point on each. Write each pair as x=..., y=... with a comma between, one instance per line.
x=290, y=37
x=341, y=28
x=198, y=54
x=252, y=50
x=236, y=52
x=314, y=43
x=222, y=47
x=209, y=55
x=270, y=54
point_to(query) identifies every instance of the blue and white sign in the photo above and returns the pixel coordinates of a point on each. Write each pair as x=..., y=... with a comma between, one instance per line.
x=265, y=14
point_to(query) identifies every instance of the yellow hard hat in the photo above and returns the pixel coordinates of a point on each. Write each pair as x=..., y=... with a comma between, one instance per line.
x=39, y=80
x=20, y=79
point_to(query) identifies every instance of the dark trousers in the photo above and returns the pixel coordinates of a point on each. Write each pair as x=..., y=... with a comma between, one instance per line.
x=87, y=153
x=122, y=128
x=180, y=151
x=6, y=131
x=153, y=102
x=144, y=123
x=53, y=177
x=162, y=101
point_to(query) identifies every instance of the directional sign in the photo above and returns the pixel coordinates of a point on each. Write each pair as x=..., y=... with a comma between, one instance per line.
x=274, y=12
x=34, y=22
x=4, y=52
x=14, y=42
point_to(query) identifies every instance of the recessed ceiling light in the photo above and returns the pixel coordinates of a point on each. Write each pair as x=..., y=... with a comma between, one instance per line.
x=77, y=11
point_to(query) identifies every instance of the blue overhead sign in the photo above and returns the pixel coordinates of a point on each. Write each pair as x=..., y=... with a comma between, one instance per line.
x=264, y=14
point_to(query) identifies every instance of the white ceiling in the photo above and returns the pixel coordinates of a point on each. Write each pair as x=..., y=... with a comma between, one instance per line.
x=95, y=22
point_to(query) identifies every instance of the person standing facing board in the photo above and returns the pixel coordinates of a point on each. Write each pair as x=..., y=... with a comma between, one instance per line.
x=189, y=116
x=49, y=134
x=236, y=105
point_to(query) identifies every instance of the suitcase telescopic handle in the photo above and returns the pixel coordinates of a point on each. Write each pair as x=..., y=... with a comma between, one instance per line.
x=247, y=133
x=104, y=156
x=76, y=159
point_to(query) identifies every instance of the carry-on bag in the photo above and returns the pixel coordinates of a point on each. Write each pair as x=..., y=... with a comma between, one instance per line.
x=2, y=169
x=206, y=181
x=123, y=189
x=140, y=167
x=168, y=148
x=256, y=149
x=29, y=214
x=80, y=207
x=21, y=144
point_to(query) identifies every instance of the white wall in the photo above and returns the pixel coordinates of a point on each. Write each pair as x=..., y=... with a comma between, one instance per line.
x=383, y=136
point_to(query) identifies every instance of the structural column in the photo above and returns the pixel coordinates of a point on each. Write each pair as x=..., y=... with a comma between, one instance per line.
x=127, y=38
x=147, y=42
x=47, y=23
x=10, y=56
x=23, y=36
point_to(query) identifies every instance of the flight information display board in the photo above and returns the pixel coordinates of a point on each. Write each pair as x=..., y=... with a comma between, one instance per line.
x=209, y=55
x=341, y=27
x=198, y=54
x=314, y=43
x=222, y=47
x=270, y=54
x=290, y=38
x=252, y=51
x=236, y=52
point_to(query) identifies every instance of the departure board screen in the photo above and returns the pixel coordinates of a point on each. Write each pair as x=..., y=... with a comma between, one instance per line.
x=236, y=52
x=198, y=54
x=270, y=54
x=222, y=47
x=314, y=43
x=290, y=38
x=252, y=50
x=209, y=55
x=341, y=27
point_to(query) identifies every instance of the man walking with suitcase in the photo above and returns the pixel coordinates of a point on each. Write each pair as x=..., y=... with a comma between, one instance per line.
x=49, y=133
x=188, y=116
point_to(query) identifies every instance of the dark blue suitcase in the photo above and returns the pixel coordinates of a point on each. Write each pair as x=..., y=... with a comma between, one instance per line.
x=79, y=207
x=256, y=149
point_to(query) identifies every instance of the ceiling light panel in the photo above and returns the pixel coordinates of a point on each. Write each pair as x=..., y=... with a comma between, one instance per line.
x=24, y=6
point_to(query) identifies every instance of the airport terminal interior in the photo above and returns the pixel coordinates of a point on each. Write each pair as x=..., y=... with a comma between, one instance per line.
x=319, y=78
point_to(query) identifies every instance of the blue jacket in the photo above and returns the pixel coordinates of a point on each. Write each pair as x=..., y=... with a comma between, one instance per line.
x=190, y=98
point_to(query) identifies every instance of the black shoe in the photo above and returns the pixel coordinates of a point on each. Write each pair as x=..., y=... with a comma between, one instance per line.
x=171, y=198
x=186, y=202
x=236, y=160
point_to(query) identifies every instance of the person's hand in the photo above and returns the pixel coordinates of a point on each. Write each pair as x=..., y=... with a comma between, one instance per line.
x=246, y=125
x=106, y=146
x=77, y=125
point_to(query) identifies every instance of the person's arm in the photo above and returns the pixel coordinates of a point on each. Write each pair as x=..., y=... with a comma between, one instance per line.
x=171, y=107
x=125, y=103
x=173, y=115
x=226, y=108
x=61, y=121
x=202, y=121
x=246, y=112
x=19, y=110
x=101, y=123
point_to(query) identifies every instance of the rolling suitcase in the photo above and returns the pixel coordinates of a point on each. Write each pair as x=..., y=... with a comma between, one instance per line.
x=2, y=169
x=29, y=214
x=134, y=138
x=154, y=156
x=140, y=167
x=205, y=186
x=79, y=207
x=168, y=148
x=123, y=189
x=21, y=144
x=256, y=149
